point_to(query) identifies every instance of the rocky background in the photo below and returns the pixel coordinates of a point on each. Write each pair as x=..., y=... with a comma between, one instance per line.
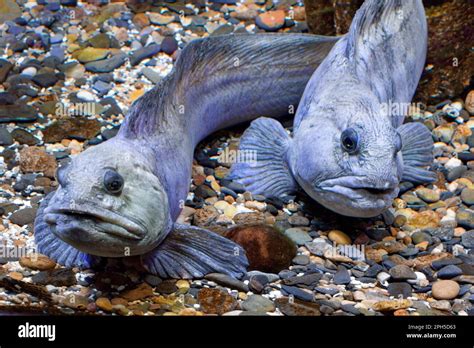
x=69, y=71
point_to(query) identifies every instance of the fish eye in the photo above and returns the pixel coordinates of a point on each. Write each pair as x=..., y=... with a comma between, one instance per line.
x=113, y=182
x=350, y=140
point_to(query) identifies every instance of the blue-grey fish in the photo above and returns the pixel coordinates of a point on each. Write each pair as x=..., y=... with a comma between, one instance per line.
x=350, y=148
x=122, y=197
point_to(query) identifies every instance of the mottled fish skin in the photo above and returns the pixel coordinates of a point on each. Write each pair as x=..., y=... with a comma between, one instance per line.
x=122, y=197
x=349, y=149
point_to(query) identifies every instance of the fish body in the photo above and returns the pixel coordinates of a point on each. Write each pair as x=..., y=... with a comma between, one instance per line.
x=349, y=149
x=122, y=197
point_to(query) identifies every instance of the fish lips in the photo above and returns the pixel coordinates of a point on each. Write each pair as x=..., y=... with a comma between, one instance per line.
x=65, y=220
x=360, y=195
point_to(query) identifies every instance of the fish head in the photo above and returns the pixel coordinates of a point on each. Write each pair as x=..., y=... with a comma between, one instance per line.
x=109, y=203
x=349, y=160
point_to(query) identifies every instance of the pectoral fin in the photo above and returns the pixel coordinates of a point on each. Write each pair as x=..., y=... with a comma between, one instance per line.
x=53, y=247
x=269, y=173
x=417, y=152
x=192, y=252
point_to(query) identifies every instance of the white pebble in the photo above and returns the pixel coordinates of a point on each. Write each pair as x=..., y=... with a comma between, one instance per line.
x=30, y=71
x=453, y=163
x=86, y=96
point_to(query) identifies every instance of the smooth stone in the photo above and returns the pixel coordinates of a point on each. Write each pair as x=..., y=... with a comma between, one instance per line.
x=296, y=307
x=298, y=293
x=24, y=137
x=467, y=196
x=17, y=113
x=342, y=276
x=45, y=79
x=297, y=235
x=151, y=74
x=106, y=65
x=438, y=264
x=339, y=237
x=56, y=277
x=169, y=45
x=144, y=53
x=271, y=21
x=467, y=239
x=260, y=243
x=397, y=289
x=445, y=289
x=419, y=237
x=270, y=276
x=301, y=260
x=258, y=303
x=23, y=216
x=227, y=281
x=402, y=272
x=449, y=272
x=6, y=138
x=427, y=195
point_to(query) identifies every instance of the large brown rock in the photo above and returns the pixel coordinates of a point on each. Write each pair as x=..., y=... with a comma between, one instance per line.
x=267, y=249
x=71, y=128
x=35, y=159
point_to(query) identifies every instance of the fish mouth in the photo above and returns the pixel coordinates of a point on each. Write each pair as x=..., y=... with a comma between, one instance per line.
x=360, y=188
x=108, y=221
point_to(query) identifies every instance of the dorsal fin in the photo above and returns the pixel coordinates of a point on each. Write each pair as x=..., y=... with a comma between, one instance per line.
x=371, y=16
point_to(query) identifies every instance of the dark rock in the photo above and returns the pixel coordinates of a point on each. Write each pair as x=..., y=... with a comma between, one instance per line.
x=23, y=217
x=302, y=260
x=17, y=113
x=438, y=264
x=267, y=249
x=5, y=68
x=448, y=272
x=6, y=138
x=257, y=283
x=24, y=137
x=169, y=45
x=45, y=79
x=397, y=289
x=467, y=239
x=342, y=276
x=153, y=280
x=443, y=233
x=227, y=281
x=144, y=53
x=167, y=287
x=374, y=270
x=327, y=291
x=7, y=98
x=109, y=133
x=107, y=65
x=298, y=293
x=402, y=272
x=56, y=277
x=308, y=279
